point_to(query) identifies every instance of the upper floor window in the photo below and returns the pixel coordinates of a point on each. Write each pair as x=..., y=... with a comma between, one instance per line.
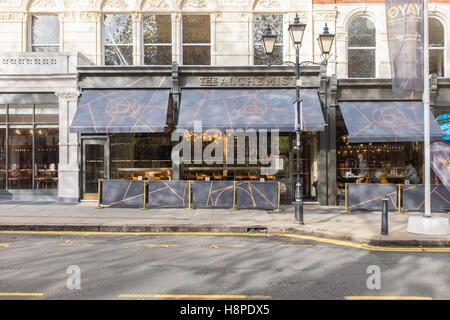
x=157, y=31
x=260, y=22
x=196, y=40
x=437, y=46
x=44, y=33
x=361, y=48
x=118, y=39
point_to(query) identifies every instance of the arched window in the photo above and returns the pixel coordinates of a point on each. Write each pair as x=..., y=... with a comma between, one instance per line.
x=437, y=46
x=361, y=48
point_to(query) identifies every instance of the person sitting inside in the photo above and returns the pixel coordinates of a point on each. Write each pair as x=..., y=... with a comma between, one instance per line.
x=410, y=173
x=379, y=177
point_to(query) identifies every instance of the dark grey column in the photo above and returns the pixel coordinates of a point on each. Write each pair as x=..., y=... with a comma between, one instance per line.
x=331, y=150
x=176, y=169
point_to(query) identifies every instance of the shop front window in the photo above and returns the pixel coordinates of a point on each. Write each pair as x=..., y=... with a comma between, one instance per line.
x=260, y=23
x=196, y=40
x=157, y=39
x=20, y=156
x=29, y=149
x=386, y=160
x=140, y=156
x=118, y=39
x=361, y=48
x=44, y=33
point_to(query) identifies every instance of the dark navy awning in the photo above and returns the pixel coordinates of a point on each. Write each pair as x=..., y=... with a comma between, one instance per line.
x=114, y=111
x=249, y=109
x=388, y=121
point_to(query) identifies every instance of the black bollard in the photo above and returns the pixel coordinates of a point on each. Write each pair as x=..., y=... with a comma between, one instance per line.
x=384, y=216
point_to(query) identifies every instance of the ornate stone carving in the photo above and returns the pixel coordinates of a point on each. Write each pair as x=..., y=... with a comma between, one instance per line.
x=233, y=16
x=12, y=17
x=80, y=3
x=67, y=95
x=29, y=61
x=267, y=4
x=43, y=4
x=194, y=4
x=325, y=14
x=155, y=4
x=229, y=3
x=10, y=3
x=116, y=4
x=80, y=16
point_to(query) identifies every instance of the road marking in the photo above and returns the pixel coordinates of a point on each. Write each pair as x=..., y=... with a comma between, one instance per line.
x=4, y=245
x=217, y=246
x=161, y=245
x=71, y=243
x=387, y=298
x=296, y=245
x=20, y=294
x=191, y=296
x=296, y=236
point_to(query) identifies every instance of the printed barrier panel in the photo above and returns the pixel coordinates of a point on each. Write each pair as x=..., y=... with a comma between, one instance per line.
x=255, y=194
x=212, y=194
x=168, y=193
x=370, y=195
x=413, y=196
x=122, y=193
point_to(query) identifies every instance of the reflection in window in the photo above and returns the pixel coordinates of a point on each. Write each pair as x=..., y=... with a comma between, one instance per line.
x=138, y=154
x=46, y=157
x=260, y=23
x=196, y=40
x=44, y=33
x=20, y=156
x=157, y=31
x=361, y=48
x=26, y=124
x=118, y=39
x=437, y=46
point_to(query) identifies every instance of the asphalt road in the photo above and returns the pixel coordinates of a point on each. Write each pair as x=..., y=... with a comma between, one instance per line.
x=35, y=266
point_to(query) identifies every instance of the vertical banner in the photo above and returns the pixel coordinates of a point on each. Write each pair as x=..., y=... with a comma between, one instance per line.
x=404, y=19
x=440, y=162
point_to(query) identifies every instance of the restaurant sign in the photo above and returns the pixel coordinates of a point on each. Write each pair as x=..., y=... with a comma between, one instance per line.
x=248, y=81
x=444, y=122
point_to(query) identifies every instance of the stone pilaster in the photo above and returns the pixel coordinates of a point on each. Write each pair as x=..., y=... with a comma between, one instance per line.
x=68, y=167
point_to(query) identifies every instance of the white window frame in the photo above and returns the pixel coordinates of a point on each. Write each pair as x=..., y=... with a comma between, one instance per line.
x=30, y=32
x=260, y=44
x=118, y=45
x=162, y=44
x=444, y=48
x=196, y=44
x=374, y=48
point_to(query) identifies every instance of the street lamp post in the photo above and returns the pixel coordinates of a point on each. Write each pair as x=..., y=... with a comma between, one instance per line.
x=296, y=31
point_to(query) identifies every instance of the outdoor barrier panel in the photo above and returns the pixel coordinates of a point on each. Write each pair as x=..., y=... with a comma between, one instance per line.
x=212, y=194
x=255, y=194
x=369, y=195
x=414, y=197
x=168, y=193
x=122, y=193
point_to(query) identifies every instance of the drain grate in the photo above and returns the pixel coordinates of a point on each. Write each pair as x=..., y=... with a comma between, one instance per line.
x=257, y=229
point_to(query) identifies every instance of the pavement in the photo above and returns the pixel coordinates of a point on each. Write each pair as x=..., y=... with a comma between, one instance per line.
x=326, y=222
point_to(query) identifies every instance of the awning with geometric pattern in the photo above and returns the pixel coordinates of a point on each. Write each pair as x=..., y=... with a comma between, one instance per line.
x=114, y=111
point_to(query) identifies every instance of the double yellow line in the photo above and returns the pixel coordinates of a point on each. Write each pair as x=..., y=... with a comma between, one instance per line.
x=295, y=236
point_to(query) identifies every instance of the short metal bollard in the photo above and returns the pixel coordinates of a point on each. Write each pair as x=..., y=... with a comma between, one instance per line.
x=384, y=216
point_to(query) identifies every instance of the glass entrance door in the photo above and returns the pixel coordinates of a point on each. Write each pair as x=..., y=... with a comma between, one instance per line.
x=95, y=166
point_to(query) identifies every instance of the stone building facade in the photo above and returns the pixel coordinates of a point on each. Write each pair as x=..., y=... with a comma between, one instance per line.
x=80, y=24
